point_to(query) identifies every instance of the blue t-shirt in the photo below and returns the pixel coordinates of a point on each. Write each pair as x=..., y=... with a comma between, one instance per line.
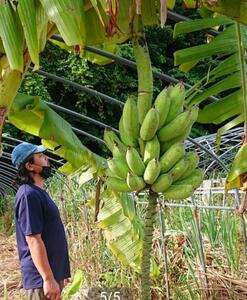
x=36, y=213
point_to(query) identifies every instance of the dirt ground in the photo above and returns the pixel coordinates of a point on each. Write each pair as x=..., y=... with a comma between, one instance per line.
x=10, y=276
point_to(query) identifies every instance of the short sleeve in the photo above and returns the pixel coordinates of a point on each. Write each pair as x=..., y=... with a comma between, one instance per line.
x=31, y=214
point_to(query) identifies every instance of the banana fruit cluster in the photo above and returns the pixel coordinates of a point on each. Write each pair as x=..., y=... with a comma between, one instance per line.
x=150, y=152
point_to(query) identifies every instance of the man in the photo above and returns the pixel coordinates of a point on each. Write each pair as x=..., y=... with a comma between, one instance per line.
x=40, y=234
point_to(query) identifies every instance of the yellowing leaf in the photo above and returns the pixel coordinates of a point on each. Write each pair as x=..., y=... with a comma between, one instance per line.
x=239, y=167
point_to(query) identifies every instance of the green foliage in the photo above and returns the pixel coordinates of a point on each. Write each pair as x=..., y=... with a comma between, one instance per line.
x=115, y=80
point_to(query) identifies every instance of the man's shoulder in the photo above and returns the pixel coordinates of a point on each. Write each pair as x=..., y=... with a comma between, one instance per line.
x=28, y=190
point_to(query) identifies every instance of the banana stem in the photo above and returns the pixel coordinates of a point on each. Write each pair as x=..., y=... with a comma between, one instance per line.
x=147, y=246
x=144, y=70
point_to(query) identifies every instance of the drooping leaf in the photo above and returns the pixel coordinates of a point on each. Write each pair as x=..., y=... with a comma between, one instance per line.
x=26, y=10
x=239, y=167
x=11, y=34
x=122, y=229
x=30, y=114
x=69, y=17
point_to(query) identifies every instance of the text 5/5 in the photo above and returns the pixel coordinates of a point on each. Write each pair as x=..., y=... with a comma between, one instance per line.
x=110, y=296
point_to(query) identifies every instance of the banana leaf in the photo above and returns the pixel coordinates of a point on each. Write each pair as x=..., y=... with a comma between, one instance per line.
x=26, y=10
x=69, y=17
x=227, y=76
x=30, y=114
x=122, y=227
x=236, y=9
x=11, y=34
x=238, y=168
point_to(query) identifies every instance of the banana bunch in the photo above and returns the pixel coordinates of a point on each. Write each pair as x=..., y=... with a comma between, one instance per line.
x=151, y=154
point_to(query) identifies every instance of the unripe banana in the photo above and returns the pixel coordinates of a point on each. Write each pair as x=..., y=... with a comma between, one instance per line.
x=152, y=149
x=117, y=152
x=195, y=179
x=118, y=167
x=179, y=169
x=141, y=146
x=134, y=182
x=152, y=171
x=176, y=127
x=127, y=139
x=177, y=95
x=110, y=138
x=162, y=183
x=178, y=192
x=162, y=104
x=150, y=125
x=130, y=119
x=193, y=160
x=109, y=173
x=166, y=145
x=117, y=185
x=171, y=156
x=135, y=162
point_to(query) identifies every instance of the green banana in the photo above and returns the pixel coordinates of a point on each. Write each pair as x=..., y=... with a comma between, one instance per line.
x=109, y=173
x=117, y=152
x=193, y=160
x=130, y=119
x=177, y=95
x=141, y=146
x=152, y=150
x=178, y=192
x=166, y=145
x=135, y=183
x=127, y=139
x=152, y=171
x=195, y=179
x=150, y=125
x=117, y=185
x=145, y=76
x=176, y=127
x=171, y=156
x=118, y=167
x=162, y=183
x=179, y=169
x=162, y=104
x=110, y=138
x=135, y=162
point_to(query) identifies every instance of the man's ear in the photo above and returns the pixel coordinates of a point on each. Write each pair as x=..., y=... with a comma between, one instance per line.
x=29, y=166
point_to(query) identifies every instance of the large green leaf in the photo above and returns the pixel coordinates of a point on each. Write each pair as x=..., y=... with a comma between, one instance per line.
x=226, y=77
x=69, y=17
x=11, y=34
x=26, y=10
x=30, y=114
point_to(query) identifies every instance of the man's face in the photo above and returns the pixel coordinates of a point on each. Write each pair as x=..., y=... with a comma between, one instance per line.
x=40, y=159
